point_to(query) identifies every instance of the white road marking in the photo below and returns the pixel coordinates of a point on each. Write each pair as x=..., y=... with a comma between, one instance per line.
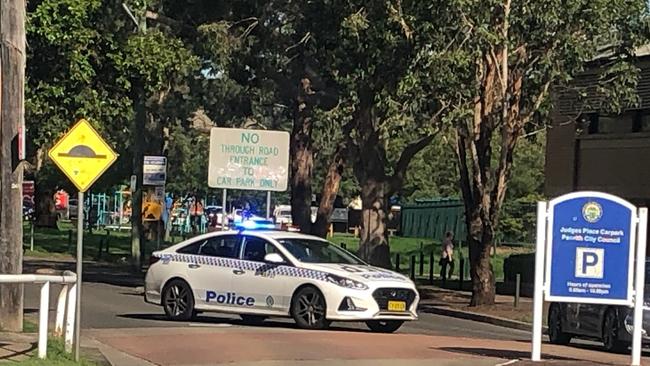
x=506, y=363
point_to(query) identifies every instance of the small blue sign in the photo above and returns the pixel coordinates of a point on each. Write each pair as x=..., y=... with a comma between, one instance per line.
x=154, y=172
x=590, y=249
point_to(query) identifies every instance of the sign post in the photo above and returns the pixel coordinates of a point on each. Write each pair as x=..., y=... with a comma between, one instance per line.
x=83, y=156
x=640, y=287
x=585, y=250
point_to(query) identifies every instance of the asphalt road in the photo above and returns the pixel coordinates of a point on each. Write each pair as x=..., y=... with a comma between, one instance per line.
x=109, y=309
x=110, y=306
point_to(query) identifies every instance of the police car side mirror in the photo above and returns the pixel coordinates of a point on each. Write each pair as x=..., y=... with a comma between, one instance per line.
x=274, y=258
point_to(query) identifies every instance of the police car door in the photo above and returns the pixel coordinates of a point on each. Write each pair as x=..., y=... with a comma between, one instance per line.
x=258, y=279
x=211, y=273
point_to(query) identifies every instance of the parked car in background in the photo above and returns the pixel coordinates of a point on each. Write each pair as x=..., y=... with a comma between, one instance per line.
x=609, y=324
x=282, y=214
x=213, y=211
x=237, y=216
x=72, y=208
x=28, y=209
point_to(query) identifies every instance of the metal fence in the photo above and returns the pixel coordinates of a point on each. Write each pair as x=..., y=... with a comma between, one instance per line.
x=65, y=309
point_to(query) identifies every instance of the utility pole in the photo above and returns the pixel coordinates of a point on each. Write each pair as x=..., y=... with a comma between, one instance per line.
x=12, y=118
x=139, y=100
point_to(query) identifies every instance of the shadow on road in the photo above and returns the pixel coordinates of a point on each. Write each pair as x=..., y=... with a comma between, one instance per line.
x=93, y=272
x=8, y=352
x=216, y=320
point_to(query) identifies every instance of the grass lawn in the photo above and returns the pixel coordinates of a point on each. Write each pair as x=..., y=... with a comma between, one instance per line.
x=61, y=242
x=56, y=356
x=53, y=243
x=29, y=326
x=407, y=247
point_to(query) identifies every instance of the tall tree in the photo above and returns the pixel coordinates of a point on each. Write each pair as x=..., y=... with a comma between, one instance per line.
x=384, y=60
x=12, y=114
x=71, y=74
x=518, y=52
x=281, y=78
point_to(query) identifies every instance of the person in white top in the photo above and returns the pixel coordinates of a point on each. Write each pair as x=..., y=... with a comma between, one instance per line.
x=447, y=256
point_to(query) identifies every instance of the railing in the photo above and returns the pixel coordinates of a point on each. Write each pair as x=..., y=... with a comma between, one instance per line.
x=65, y=309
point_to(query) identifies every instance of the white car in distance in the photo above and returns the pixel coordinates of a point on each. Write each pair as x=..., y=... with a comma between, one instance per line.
x=260, y=274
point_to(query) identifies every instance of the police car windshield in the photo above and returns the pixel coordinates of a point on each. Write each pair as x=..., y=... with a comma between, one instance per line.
x=318, y=251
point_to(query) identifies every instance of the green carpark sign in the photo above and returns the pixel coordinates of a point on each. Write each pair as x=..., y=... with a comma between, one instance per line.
x=248, y=159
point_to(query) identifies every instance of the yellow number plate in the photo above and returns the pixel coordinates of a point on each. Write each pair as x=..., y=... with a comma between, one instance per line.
x=396, y=306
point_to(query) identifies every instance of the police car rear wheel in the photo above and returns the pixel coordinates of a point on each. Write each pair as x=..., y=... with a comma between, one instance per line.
x=384, y=326
x=308, y=309
x=178, y=301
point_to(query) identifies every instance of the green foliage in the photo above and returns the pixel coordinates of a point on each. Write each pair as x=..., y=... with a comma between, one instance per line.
x=433, y=172
x=187, y=161
x=56, y=356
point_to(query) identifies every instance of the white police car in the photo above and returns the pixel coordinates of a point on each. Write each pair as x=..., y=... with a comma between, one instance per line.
x=258, y=274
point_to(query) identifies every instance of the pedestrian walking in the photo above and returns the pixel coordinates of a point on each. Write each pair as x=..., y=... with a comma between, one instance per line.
x=196, y=213
x=447, y=256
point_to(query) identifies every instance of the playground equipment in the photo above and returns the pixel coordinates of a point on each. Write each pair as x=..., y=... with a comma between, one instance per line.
x=120, y=217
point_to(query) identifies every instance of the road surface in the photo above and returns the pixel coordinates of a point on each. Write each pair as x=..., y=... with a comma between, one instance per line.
x=131, y=332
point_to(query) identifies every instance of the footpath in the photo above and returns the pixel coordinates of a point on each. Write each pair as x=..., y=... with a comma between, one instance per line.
x=455, y=303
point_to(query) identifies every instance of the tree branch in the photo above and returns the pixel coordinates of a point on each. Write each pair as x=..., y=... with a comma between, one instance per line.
x=538, y=102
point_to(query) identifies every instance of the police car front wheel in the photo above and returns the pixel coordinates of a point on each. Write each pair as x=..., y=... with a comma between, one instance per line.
x=308, y=309
x=178, y=300
x=384, y=326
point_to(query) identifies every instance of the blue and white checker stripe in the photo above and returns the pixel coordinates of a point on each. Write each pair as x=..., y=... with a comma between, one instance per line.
x=259, y=268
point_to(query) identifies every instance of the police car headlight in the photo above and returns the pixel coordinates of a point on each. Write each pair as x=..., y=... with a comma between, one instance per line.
x=346, y=282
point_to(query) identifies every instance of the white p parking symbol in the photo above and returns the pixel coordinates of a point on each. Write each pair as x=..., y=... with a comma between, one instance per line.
x=590, y=262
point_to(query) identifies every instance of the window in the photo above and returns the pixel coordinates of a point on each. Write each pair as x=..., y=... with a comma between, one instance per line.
x=622, y=123
x=191, y=248
x=625, y=123
x=225, y=246
x=645, y=122
x=255, y=249
x=318, y=251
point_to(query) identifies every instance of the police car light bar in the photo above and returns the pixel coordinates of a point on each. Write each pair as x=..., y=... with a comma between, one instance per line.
x=255, y=225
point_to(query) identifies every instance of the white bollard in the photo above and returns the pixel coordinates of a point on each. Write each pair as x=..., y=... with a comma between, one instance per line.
x=70, y=317
x=42, y=320
x=60, y=311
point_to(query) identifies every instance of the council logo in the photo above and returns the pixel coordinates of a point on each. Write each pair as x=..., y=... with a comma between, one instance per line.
x=592, y=212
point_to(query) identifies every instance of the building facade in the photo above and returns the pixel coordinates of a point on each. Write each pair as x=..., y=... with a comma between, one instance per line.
x=593, y=150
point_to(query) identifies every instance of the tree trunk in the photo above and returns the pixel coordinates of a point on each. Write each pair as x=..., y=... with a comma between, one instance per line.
x=328, y=196
x=12, y=114
x=480, y=238
x=374, y=239
x=302, y=164
x=45, y=208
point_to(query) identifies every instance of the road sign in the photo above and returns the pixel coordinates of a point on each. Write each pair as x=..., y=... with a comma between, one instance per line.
x=586, y=242
x=590, y=249
x=82, y=155
x=154, y=172
x=248, y=159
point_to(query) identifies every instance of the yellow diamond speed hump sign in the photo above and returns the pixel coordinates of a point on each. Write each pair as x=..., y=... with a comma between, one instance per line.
x=82, y=155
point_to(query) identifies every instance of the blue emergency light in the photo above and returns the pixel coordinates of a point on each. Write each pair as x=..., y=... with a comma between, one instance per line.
x=255, y=225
